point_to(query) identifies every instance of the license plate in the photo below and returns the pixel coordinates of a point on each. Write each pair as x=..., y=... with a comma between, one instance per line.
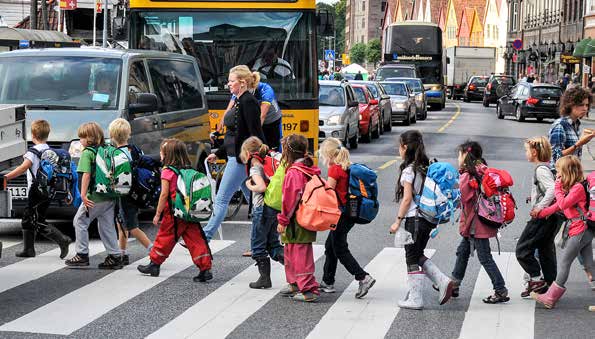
x=549, y=102
x=19, y=192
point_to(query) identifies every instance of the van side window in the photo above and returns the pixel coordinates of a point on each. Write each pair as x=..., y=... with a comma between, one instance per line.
x=176, y=85
x=137, y=80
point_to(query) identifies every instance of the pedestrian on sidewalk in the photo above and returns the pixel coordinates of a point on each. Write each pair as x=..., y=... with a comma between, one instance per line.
x=298, y=250
x=264, y=239
x=336, y=157
x=411, y=177
x=174, y=155
x=577, y=236
x=476, y=235
x=539, y=234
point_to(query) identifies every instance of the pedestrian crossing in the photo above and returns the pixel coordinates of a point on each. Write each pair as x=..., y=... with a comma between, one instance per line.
x=225, y=308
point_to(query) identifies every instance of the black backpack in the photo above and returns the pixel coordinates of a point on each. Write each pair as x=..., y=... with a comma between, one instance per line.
x=146, y=179
x=55, y=176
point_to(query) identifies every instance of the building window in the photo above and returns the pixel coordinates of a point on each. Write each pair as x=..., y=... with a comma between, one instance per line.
x=363, y=5
x=363, y=22
x=383, y=6
x=515, y=14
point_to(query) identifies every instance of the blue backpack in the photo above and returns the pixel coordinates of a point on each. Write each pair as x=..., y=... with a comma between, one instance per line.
x=362, y=198
x=146, y=179
x=439, y=196
x=56, y=176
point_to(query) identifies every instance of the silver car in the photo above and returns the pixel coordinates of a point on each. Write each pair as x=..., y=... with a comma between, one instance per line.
x=421, y=100
x=402, y=102
x=339, y=113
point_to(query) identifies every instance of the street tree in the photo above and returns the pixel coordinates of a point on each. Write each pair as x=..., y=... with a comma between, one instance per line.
x=373, y=51
x=357, y=54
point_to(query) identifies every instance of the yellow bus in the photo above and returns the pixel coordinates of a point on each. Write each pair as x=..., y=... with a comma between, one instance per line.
x=275, y=37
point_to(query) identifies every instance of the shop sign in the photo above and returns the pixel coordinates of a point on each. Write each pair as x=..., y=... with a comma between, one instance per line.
x=569, y=59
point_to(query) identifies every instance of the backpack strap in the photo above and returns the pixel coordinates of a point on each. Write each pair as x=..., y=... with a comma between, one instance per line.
x=38, y=154
x=301, y=170
x=540, y=189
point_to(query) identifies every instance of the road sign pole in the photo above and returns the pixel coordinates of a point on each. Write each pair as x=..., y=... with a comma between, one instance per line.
x=104, y=43
x=95, y=22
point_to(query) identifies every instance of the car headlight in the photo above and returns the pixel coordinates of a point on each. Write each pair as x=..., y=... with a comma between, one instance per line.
x=399, y=105
x=419, y=96
x=334, y=120
x=75, y=149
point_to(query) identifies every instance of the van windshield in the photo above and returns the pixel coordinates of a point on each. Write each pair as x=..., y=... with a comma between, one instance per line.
x=59, y=82
x=395, y=72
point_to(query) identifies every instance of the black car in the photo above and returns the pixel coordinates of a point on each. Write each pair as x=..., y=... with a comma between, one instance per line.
x=475, y=88
x=528, y=100
x=498, y=86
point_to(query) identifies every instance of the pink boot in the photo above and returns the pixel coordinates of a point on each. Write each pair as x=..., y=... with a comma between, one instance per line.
x=551, y=297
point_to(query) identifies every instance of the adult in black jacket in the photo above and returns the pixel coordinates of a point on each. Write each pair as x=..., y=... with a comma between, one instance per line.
x=241, y=122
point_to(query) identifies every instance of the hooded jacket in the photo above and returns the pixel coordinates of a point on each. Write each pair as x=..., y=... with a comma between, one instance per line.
x=293, y=188
x=568, y=204
x=469, y=195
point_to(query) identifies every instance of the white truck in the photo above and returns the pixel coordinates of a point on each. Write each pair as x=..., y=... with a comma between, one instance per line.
x=465, y=62
x=13, y=145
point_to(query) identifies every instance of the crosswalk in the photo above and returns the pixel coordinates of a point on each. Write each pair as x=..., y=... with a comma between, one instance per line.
x=223, y=310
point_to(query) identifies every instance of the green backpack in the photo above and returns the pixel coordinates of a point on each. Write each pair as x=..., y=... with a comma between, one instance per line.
x=273, y=196
x=192, y=202
x=113, y=171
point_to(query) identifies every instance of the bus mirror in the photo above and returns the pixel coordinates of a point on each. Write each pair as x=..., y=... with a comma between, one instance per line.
x=325, y=23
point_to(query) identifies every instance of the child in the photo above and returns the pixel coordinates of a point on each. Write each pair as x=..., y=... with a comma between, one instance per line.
x=412, y=172
x=299, y=255
x=37, y=206
x=336, y=158
x=94, y=206
x=539, y=233
x=174, y=153
x=119, y=131
x=475, y=234
x=571, y=198
x=264, y=239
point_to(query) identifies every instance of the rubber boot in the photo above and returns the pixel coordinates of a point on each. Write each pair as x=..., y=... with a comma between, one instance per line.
x=441, y=280
x=264, y=268
x=414, y=298
x=551, y=297
x=28, y=245
x=53, y=234
x=152, y=269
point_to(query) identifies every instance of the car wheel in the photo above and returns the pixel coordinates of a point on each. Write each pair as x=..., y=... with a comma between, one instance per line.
x=389, y=125
x=381, y=124
x=413, y=117
x=466, y=99
x=354, y=141
x=485, y=103
x=346, y=139
x=376, y=133
x=425, y=114
x=540, y=119
x=443, y=105
x=368, y=137
x=519, y=114
x=499, y=112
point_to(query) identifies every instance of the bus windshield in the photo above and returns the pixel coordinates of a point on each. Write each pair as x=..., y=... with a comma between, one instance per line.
x=279, y=45
x=415, y=39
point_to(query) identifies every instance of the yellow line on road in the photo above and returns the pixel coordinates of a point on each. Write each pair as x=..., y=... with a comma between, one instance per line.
x=387, y=164
x=452, y=119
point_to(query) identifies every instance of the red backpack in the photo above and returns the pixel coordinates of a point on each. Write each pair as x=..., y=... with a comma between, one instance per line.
x=270, y=162
x=495, y=204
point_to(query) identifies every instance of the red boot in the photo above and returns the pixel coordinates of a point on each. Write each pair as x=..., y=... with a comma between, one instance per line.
x=551, y=297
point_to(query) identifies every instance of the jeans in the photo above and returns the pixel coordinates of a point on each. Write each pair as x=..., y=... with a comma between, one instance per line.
x=233, y=179
x=580, y=244
x=336, y=249
x=414, y=253
x=265, y=239
x=539, y=235
x=484, y=255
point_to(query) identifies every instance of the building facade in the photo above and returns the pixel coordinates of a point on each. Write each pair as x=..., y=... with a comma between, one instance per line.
x=363, y=21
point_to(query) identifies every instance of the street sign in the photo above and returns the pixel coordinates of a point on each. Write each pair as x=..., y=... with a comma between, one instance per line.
x=345, y=59
x=517, y=44
x=98, y=6
x=329, y=54
x=395, y=56
x=23, y=43
x=68, y=5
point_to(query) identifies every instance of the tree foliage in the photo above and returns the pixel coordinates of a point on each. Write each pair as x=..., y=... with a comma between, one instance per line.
x=373, y=51
x=358, y=53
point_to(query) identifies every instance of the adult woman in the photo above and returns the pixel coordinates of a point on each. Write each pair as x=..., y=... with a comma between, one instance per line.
x=242, y=122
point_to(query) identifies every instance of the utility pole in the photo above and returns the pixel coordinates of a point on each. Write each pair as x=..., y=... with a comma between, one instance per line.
x=104, y=44
x=33, y=15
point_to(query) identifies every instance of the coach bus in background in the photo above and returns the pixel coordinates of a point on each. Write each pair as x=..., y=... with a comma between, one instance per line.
x=418, y=44
x=275, y=37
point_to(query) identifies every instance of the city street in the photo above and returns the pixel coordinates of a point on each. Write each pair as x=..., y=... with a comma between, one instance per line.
x=41, y=298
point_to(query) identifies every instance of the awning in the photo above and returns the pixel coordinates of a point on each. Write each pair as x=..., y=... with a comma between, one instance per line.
x=590, y=49
x=579, y=50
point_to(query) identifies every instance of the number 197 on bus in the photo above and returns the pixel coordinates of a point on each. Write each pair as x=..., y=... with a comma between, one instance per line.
x=290, y=126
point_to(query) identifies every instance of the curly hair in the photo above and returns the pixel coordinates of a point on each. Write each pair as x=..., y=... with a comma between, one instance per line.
x=573, y=97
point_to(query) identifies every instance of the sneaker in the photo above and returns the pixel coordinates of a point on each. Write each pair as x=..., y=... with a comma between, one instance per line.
x=537, y=286
x=78, y=260
x=111, y=262
x=364, y=286
x=289, y=290
x=125, y=260
x=592, y=284
x=203, y=276
x=497, y=297
x=308, y=297
x=327, y=288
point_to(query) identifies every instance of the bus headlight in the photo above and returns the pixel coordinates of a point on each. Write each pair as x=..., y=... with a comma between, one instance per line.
x=334, y=120
x=436, y=88
x=75, y=149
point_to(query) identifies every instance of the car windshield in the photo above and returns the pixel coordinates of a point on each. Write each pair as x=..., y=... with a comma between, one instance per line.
x=503, y=80
x=481, y=82
x=374, y=91
x=395, y=89
x=546, y=91
x=331, y=96
x=395, y=72
x=360, y=96
x=279, y=45
x=415, y=85
x=60, y=82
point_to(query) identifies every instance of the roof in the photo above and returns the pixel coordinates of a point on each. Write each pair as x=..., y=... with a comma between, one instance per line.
x=480, y=8
x=436, y=8
x=7, y=33
x=92, y=52
x=52, y=18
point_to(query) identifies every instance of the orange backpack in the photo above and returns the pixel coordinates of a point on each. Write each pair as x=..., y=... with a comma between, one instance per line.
x=319, y=207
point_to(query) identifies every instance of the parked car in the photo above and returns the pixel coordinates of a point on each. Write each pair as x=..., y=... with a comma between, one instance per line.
x=498, y=86
x=421, y=99
x=528, y=100
x=339, y=112
x=369, y=113
x=402, y=100
x=383, y=102
x=475, y=88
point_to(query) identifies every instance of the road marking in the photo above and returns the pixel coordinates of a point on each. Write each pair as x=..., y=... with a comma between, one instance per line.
x=372, y=316
x=30, y=269
x=84, y=305
x=387, y=164
x=237, y=222
x=219, y=313
x=514, y=319
x=9, y=243
x=452, y=119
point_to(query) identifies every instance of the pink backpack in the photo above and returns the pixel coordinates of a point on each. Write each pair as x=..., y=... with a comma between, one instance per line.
x=495, y=204
x=319, y=207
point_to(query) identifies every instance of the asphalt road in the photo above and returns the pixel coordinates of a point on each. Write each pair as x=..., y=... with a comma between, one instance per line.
x=41, y=299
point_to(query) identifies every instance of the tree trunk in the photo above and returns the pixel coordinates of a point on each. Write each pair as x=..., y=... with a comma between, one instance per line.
x=33, y=15
x=44, y=15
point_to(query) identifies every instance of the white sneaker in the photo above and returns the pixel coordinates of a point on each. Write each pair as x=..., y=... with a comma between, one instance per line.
x=592, y=284
x=327, y=288
x=364, y=286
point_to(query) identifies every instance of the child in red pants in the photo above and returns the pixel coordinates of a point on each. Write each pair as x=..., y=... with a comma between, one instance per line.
x=174, y=153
